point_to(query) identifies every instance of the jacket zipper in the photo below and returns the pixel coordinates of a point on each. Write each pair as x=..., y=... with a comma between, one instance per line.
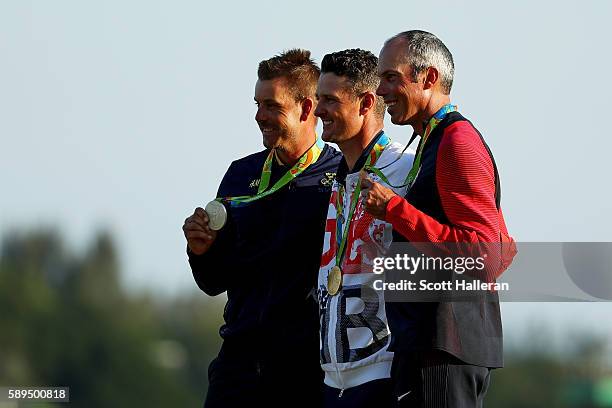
x=347, y=194
x=334, y=358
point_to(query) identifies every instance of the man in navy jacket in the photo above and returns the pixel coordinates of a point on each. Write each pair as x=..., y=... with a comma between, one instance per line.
x=267, y=255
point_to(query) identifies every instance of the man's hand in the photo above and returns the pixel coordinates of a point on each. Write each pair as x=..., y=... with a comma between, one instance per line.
x=375, y=197
x=197, y=232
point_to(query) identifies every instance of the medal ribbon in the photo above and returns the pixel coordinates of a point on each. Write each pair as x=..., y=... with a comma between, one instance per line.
x=341, y=236
x=308, y=158
x=416, y=165
x=433, y=123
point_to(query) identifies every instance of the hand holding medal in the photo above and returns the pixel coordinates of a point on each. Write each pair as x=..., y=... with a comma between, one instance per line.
x=375, y=198
x=198, y=231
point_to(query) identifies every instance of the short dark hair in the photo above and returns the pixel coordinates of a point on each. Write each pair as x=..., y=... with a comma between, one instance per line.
x=359, y=67
x=423, y=50
x=296, y=66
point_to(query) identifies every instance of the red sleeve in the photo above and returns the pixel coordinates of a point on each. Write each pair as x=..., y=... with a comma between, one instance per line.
x=466, y=183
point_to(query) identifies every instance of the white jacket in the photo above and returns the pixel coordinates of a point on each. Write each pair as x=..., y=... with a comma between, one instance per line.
x=354, y=330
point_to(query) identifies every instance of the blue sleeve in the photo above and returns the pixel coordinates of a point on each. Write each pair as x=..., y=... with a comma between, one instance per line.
x=210, y=270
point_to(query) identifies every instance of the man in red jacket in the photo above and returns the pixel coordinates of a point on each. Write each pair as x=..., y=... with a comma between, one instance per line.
x=444, y=351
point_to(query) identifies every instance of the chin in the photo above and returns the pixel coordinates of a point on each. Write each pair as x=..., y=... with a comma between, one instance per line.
x=399, y=121
x=328, y=138
x=269, y=143
x=396, y=121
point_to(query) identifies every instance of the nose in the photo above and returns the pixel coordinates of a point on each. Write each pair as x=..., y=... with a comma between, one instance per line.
x=260, y=115
x=318, y=110
x=381, y=90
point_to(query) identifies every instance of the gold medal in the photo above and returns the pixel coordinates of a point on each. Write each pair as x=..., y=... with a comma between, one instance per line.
x=334, y=280
x=217, y=215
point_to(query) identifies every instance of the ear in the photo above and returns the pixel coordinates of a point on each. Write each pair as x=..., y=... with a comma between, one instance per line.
x=307, y=107
x=368, y=102
x=431, y=78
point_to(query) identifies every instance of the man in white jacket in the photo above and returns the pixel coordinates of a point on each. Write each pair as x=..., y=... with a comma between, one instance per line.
x=354, y=329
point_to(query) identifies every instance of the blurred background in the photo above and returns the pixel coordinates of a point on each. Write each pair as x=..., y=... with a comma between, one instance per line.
x=118, y=118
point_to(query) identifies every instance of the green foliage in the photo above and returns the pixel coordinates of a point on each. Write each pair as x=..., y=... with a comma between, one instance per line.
x=66, y=321
x=537, y=375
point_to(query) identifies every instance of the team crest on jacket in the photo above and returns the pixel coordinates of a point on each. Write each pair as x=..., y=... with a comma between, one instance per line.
x=328, y=180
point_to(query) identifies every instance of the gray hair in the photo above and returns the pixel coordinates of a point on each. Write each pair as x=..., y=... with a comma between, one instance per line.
x=424, y=50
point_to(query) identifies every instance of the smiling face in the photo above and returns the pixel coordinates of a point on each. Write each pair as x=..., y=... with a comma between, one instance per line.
x=338, y=108
x=404, y=95
x=278, y=113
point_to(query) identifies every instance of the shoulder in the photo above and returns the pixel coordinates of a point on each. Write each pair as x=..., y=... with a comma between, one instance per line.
x=328, y=160
x=330, y=154
x=254, y=158
x=241, y=175
x=460, y=133
x=463, y=147
x=248, y=164
x=323, y=172
x=461, y=138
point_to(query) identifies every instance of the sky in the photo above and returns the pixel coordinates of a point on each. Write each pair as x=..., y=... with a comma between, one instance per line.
x=124, y=115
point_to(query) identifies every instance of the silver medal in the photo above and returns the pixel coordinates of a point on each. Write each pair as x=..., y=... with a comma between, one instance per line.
x=217, y=215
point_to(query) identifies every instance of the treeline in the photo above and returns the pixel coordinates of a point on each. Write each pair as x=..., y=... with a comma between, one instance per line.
x=539, y=374
x=65, y=320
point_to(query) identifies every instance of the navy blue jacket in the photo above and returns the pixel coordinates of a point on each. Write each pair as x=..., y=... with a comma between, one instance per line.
x=267, y=258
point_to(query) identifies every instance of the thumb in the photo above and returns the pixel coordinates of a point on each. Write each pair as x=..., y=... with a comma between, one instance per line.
x=366, y=183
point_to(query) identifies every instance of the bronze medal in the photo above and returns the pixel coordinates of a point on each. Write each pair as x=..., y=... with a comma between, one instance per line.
x=334, y=280
x=217, y=215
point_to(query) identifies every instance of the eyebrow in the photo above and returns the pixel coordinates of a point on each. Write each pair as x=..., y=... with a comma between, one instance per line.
x=328, y=96
x=266, y=100
x=387, y=72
